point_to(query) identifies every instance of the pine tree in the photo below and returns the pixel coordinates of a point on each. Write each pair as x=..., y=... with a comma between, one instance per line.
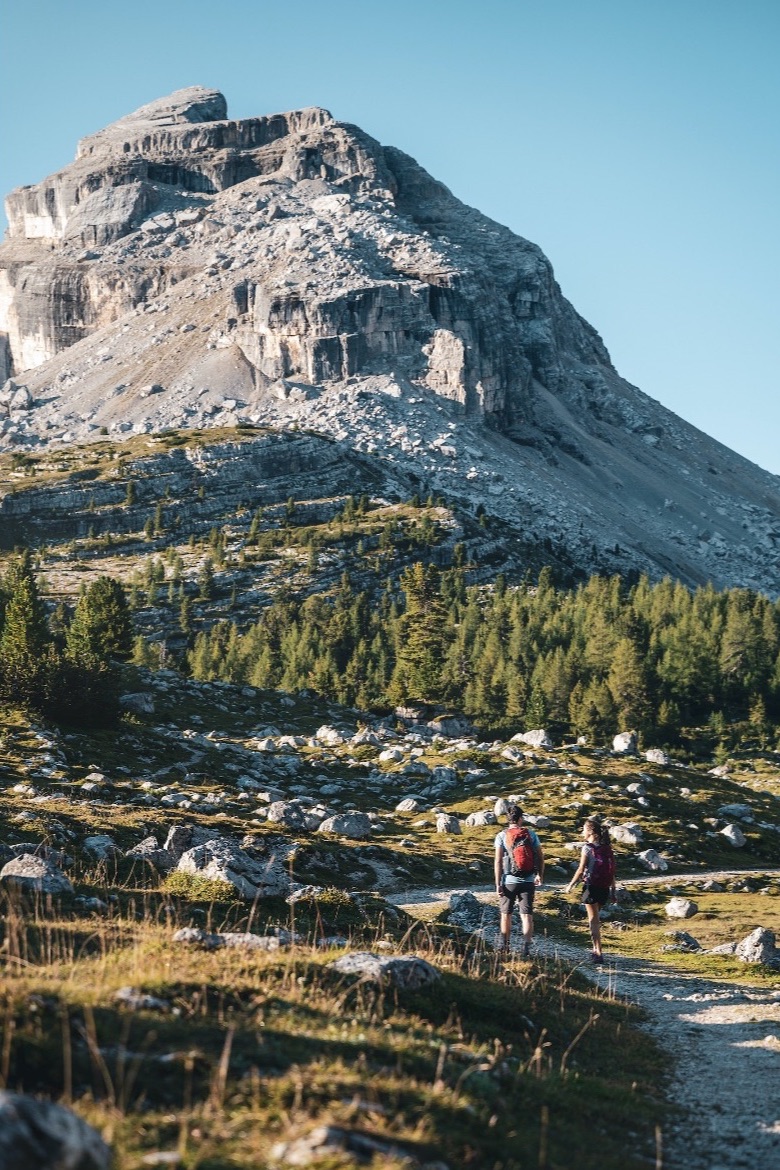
x=627, y=682
x=421, y=636
x=101, y=629
x=25, y=634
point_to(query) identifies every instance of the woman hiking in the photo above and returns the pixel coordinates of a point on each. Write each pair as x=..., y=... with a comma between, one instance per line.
x=597, y=870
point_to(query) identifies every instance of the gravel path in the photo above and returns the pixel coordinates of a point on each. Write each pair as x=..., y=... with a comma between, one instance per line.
x=723, y=1038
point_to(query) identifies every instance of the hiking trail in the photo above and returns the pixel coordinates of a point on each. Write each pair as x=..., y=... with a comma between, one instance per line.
x=722, y=1037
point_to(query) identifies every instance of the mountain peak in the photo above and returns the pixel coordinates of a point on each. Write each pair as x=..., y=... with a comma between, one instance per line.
x=191, y=105
x=288, y=270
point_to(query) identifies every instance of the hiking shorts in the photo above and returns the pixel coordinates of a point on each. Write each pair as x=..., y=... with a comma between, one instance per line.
x=523, y=894
x=595, y=895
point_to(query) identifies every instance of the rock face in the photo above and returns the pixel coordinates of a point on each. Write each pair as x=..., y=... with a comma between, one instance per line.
x=191, y=270
x=38, y=1135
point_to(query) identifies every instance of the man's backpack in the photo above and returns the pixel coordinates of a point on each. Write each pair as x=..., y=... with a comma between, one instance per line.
x=520, y=851
x=601, y=866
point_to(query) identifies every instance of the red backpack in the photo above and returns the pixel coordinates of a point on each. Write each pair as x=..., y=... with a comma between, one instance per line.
x=601, y=866
x=520, y=850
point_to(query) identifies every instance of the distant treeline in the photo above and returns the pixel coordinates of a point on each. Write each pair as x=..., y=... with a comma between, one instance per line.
x=590, y=660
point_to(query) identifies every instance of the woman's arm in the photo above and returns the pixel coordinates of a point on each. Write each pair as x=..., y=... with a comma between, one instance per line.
x=580, y=870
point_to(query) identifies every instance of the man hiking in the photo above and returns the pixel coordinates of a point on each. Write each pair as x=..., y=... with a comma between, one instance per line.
x=519, y=869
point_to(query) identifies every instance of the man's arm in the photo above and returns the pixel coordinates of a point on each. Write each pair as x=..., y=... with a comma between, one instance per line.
x=499, y=867
x=539, y=863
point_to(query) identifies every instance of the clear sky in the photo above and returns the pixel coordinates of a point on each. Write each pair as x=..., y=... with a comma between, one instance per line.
x=636, y=141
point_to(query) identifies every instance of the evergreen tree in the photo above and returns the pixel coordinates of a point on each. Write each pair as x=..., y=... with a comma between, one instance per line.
x=25, y=635
x=627, y=682
x=101, y=629
x=421, y=639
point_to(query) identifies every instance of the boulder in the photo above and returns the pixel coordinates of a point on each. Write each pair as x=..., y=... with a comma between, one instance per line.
x=468, y=913
x=101, y=847
x=626, y=834
x=406, y=972
x=131, y=997
x=681, y=908
x=537, y=738
x=625, y=743
x=501, y=807
x=330, y=736
x=39, y=1135
x=734, y=836
x=391, y=756
x=479, y=819
x=540, y=821
x=355, y=825
x=758, y=947
x=149, y=850
x=683, y=942
x=653, y=861
x=737, y=812
x=141, y=703
x=447, y=824
x=32, y=874
x=183, y=837
x=443, y=776
x=657, y=756
x=408, y=804
x=286, y=812
x=223, y=860
x=451, y=726
x=242, y=940
x=332, y=1141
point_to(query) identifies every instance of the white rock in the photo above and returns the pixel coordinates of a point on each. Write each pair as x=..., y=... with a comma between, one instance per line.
x=481, y=818
x=407, y=972
x=734, y=836
x=34, y=874
x=330, y=736
x=355, y=825
x=625, y=743
x=537, y=738
x=626, y=834
x=653, y=861
x=681, y=908
x=447, y=824
x=656, y=756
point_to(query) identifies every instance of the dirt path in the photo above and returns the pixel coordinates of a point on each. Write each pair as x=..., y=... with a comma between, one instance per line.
x=723, y=1038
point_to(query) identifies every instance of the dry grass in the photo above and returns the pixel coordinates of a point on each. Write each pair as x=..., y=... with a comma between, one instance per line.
x=248, y=1049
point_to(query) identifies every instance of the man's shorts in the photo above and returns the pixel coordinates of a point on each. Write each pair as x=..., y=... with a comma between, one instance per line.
x=523, y=894
x=595, y=895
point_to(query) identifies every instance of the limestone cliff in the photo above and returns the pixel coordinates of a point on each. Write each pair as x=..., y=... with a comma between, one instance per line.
x=289, y=271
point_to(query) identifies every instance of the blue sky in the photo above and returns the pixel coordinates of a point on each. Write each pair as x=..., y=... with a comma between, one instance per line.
x=636, y=141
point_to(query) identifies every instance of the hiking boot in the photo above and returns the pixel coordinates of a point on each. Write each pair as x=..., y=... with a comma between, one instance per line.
x=598, y=960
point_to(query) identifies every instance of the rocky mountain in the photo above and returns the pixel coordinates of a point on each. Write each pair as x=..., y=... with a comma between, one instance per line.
x=290, y=272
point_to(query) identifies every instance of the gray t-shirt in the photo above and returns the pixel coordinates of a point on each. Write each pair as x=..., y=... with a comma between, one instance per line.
x=512, y=880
